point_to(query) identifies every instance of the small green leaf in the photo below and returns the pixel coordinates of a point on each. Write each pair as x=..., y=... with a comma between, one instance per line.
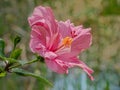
x=2, y=74
x=16, y=53
x=16, y=41
x=2, y=46
x=26, y=73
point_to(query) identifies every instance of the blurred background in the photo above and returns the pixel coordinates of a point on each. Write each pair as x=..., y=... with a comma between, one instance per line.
x=103, y=16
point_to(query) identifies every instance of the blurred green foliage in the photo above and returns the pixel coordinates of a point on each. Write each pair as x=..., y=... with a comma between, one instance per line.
x=103, y=16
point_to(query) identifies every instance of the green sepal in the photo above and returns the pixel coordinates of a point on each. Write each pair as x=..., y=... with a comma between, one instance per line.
x=41, y=59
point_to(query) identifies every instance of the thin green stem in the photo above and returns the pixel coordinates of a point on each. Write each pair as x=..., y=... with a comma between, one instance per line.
x=18, y=65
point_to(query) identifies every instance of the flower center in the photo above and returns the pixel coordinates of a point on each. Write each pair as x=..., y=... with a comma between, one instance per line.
x=67, y=41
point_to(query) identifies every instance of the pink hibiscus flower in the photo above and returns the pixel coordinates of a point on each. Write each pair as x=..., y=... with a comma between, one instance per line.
x=58, y=42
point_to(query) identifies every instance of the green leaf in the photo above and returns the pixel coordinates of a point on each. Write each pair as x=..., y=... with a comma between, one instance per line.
x=11, y=60
x=2, y=46
x=2, y=74
x=2, y=58
x=107, y=86
x=16, y=53
x=26, y=73
x=16, y=41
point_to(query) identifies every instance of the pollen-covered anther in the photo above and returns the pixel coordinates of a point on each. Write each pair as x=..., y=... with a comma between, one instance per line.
x=67, y=41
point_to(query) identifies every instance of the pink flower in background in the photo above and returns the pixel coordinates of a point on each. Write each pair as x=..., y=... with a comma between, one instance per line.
x=59, y=43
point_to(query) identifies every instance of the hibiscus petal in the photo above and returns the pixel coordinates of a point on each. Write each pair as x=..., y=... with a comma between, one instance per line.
x=75, y=62
x=44, y=17
x=54, y=64
x=53, y=42
x=56, y=67
x=81, y=42
x=37, y=47
x=82, y=65
x=50, y=55
x=38, y=40
x=39, y=33
x=43, y=20
x=65, y=28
